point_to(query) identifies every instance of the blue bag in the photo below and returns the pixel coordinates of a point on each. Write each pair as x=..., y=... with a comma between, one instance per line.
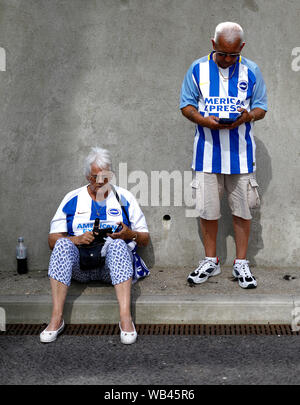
x=140, y=269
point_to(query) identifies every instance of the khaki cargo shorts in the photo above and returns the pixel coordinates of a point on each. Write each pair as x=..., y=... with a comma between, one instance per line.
x=208, y=190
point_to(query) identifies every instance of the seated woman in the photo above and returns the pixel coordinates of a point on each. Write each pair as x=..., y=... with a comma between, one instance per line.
x=72, y=226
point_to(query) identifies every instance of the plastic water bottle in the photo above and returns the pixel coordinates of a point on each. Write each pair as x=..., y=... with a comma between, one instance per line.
x=21, y=253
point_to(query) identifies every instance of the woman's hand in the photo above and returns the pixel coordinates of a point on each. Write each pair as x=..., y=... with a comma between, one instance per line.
x=141, y=238
x=84, y=239
x=124, y=234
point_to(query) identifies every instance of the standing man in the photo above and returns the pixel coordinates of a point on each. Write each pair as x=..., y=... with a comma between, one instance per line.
x=224, y=94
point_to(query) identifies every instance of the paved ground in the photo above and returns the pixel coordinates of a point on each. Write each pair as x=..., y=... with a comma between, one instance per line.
x=162, y=281
x=153, y=360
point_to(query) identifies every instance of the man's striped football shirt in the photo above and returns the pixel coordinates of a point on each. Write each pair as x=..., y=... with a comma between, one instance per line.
x=204, y=87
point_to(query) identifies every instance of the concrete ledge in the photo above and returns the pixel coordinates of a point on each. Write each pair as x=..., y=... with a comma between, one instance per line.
x=215, y=310
x=146, y=309
x=37, y=309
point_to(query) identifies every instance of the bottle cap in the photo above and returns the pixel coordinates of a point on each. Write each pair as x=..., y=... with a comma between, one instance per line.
x=20, y=239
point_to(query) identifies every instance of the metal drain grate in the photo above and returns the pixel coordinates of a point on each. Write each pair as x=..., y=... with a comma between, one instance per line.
x=155, y=329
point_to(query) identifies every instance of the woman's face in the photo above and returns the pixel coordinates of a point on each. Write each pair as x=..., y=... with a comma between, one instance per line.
x=99, y=178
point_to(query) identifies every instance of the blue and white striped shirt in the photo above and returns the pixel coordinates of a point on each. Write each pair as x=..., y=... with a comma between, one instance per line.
x=224, y=151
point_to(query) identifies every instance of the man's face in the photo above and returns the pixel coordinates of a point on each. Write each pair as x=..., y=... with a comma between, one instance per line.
x=228, y=50
x=99, y=177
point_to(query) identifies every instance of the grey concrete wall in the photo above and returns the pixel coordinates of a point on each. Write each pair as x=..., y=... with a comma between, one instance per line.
x=108, y=72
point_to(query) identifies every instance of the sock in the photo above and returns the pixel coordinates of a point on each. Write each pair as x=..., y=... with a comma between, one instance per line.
x=213, y=259
x=240, y=261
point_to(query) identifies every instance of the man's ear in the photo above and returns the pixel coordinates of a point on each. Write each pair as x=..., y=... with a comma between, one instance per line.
x=243, y=44
x=213, y=43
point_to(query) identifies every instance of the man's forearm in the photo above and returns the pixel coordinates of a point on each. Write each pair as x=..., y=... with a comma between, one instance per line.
x=257, y=114
x=192, y=114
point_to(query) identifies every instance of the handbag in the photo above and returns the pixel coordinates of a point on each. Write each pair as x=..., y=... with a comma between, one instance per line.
x=90, y=255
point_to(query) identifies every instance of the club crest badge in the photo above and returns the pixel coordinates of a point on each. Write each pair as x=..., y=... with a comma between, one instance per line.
x=243, y=85
x=114, y=212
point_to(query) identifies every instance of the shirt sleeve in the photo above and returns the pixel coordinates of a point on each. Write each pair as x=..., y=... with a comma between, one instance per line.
x=259, y=95
x=189, y=90
x=136, y=216
x=59, y=221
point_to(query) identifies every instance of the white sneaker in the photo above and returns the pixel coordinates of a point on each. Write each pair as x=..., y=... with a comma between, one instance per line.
x=242, y=273
x=206, y=269
x=48, y=336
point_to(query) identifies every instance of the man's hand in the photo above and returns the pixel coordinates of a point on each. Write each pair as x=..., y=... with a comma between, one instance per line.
x=245, y=117
x=84, y=239
x=124, y=234
x=212, y=122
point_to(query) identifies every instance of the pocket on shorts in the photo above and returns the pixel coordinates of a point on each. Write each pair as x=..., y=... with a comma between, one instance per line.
x=253, y=196
x=195, y=184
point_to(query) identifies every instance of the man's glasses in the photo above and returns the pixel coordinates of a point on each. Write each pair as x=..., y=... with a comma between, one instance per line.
x=224, y=54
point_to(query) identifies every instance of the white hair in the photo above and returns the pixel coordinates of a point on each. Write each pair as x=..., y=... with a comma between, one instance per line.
x=101, y=157
x=230, y=31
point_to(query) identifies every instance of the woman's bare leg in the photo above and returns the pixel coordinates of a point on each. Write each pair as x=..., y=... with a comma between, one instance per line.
x=123, y=292
x=59, y=293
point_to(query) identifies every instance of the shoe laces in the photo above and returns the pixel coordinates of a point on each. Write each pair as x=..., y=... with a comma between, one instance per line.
x=203, y=263
x=243, y=269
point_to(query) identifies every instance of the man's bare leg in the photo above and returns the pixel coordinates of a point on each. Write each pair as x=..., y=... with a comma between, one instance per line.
x=242, y=232
x=209, y=229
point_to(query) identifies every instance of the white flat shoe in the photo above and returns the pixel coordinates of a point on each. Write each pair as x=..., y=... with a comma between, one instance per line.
x=127, y=338
x=48, y=336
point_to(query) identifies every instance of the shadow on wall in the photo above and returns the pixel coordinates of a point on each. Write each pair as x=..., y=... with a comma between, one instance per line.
x=147, y=254
x=263, y=176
